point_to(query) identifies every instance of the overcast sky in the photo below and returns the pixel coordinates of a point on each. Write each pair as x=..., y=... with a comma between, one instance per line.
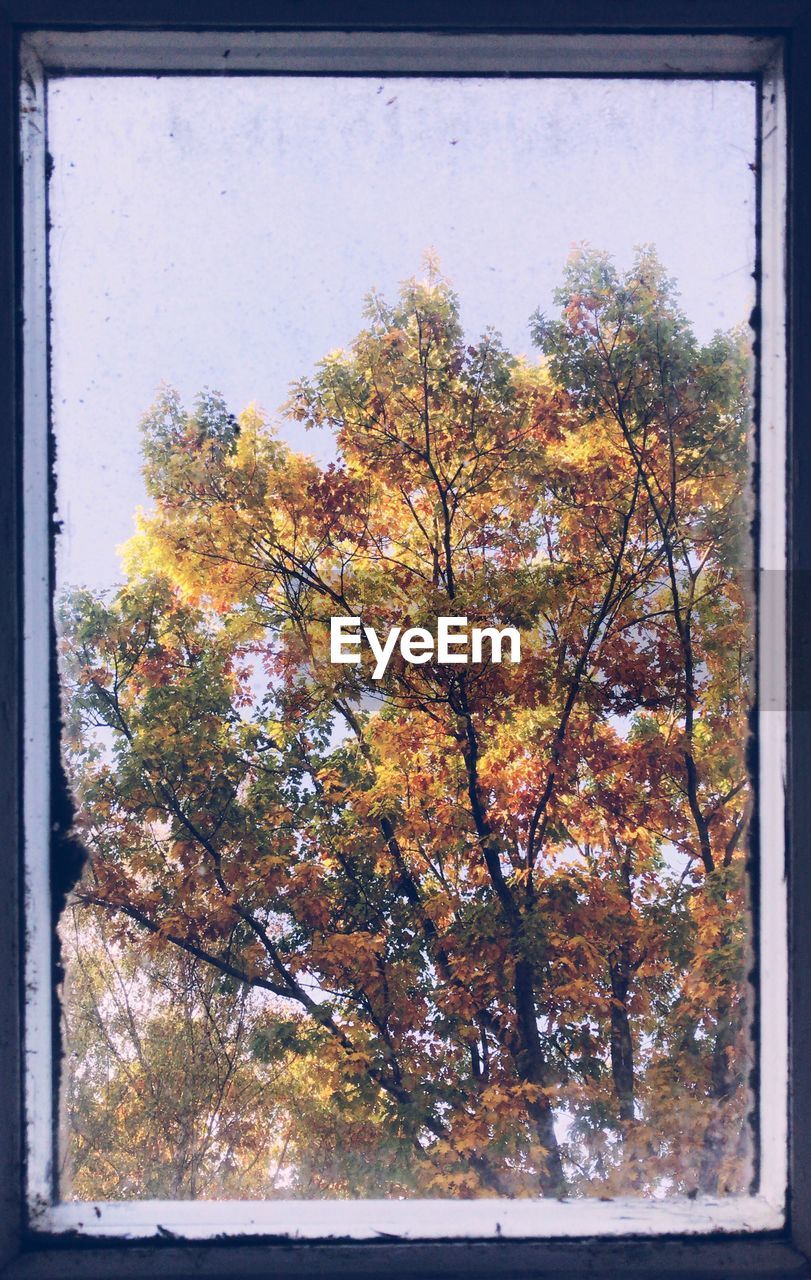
x=214, y=232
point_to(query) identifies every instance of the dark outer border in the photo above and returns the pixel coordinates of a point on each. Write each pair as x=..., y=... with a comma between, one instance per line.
x=773, y=1255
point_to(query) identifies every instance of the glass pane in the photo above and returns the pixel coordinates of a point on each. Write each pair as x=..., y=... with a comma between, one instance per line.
x=403, y=478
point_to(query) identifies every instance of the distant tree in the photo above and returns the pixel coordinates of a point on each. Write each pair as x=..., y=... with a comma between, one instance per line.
x=165, y=1097
x=183, y=1083
x=496, y=893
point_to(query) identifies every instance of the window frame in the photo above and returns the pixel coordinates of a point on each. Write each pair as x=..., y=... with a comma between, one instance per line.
x=666, y=46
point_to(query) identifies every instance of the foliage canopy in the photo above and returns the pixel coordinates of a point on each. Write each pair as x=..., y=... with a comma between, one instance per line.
x=500, y=909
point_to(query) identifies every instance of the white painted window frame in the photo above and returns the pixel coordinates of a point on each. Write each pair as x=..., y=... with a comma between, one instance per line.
x=45, y=54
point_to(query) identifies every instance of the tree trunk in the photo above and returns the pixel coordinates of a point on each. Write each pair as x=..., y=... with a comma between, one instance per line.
x=531, y=1068
x=723, y=1083
x=622, y=1049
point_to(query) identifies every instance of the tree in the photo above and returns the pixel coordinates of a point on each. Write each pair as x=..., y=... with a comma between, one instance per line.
x=165, y=1098
x=186, y=1084
x=495, y=891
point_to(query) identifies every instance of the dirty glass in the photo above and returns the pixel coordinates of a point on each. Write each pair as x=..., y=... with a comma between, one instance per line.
x=403, y=483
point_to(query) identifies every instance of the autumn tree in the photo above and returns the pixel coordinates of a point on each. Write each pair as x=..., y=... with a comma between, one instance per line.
x=184, y=1083
x=625, y=353
x=501, y=894
x=164, y=1098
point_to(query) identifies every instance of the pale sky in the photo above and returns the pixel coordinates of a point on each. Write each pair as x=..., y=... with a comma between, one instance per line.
x=222, y=232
